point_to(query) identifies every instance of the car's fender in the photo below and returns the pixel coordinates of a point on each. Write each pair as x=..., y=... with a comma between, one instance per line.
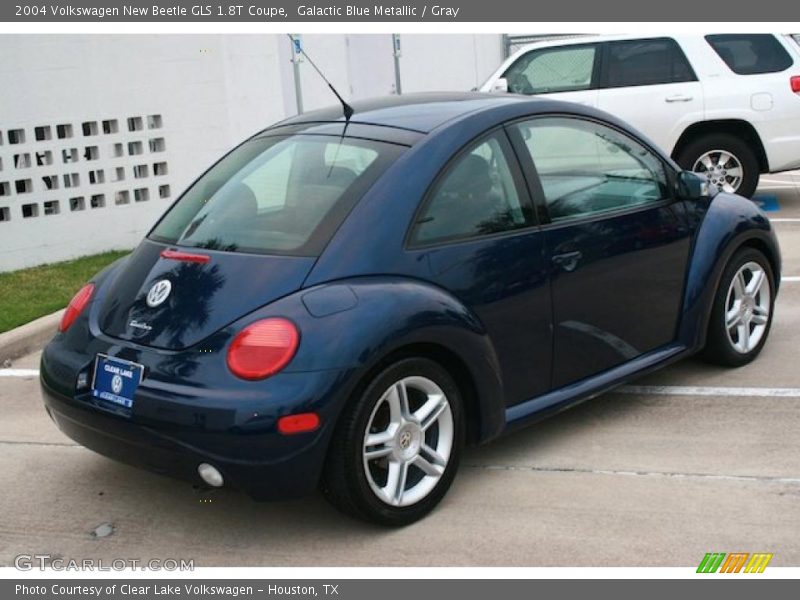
x=725, y=223
x=354, y=325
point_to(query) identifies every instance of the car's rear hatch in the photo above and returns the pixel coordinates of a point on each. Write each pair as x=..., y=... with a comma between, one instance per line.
x=250, y=230
x=204, y=296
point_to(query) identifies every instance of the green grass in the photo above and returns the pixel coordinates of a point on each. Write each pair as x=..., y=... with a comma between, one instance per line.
x=32, y=293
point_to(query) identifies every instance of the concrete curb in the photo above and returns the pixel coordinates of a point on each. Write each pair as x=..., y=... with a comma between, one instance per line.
x=29, y=337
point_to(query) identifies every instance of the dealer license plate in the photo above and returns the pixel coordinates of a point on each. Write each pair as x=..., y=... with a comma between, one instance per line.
x=115, y=380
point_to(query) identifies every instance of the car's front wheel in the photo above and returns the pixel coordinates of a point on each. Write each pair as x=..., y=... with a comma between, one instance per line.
x=727, y=161
x=742, y=312
x=396, y=448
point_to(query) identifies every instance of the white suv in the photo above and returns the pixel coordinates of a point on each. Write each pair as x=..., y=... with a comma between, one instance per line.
x=725, y=105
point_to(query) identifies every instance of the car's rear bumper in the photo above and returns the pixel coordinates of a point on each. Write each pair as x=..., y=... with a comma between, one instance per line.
x=781, y=139
x=264, y=464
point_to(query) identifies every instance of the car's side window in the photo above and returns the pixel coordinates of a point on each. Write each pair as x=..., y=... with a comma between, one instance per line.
x=562, y=69
x=476, y=195
x=646, y=62
x=586, y=168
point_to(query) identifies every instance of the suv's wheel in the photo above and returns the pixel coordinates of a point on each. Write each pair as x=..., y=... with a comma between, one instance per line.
x=742, y=312
x=727, y=161
x=396, y=449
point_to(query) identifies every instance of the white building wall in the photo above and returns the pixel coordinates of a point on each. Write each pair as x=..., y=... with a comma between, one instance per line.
x=207, y=94
x=330, y=53
x=201, y=88
x=448, y=61
x=362, y=66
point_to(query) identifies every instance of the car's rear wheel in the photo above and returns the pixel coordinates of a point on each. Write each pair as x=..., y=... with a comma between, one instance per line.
x=742, y=312
x=396, y=448
x=727, y=161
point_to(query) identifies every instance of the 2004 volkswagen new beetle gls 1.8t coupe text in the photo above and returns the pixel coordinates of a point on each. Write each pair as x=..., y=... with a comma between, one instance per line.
x=342, y=303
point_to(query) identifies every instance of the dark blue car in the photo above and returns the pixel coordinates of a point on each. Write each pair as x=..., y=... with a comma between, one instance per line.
x=343, y=304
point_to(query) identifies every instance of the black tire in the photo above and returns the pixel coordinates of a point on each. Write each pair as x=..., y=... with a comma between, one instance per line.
x=743, y=152
x=719, y=348
x=344, y=481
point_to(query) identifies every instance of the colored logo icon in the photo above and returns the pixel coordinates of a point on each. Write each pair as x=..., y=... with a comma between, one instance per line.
x=734, y=562
x=158, y=293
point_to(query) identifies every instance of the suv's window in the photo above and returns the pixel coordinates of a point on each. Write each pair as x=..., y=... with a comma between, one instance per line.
x=276, y=195
x=476, y=195
x=646, y=62
x=563, y=69
x=751, y=53
x=586, y=168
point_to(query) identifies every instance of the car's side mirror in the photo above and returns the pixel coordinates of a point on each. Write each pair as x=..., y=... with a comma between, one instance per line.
x=500, y=86
x=692, y=186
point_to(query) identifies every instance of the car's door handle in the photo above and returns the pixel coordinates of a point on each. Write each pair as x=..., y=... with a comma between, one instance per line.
x=569, y=260
x=678, y=98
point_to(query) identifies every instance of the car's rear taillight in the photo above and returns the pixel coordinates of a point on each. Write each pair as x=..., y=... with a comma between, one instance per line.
x=76, y=306
x=263, y=348
x=795, y=83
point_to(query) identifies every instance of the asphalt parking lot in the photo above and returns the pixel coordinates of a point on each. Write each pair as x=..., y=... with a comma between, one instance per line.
x=695, y=459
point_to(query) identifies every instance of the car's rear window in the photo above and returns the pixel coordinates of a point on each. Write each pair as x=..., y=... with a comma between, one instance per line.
x=751, y=53
x=276, y=195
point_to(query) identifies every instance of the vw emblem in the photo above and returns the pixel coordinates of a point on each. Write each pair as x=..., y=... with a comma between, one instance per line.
x=116, y=384
x=158, y=293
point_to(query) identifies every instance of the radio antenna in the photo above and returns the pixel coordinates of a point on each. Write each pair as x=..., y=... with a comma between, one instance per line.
x=346, y=108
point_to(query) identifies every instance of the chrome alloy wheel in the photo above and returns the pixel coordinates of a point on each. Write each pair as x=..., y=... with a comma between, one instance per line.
x=408, y=441
x=747, y=307
x=722, y=168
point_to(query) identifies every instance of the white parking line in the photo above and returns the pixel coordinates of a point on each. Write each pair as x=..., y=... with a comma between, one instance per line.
x=19, y=372
x=790, y=279
x=693, y=390
x=778, y=181
x=785, y=220
x=666, y=474
x=645, y=390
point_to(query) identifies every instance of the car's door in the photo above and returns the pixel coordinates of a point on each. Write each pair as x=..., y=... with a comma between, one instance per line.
x=617, y=241
x=477, y=232
x=567, y=72
x=651, y=85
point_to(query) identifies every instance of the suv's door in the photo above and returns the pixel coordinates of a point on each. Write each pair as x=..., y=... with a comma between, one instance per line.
x=567, y=72
x=476, y=230
x=650, y=84
x=617, y=242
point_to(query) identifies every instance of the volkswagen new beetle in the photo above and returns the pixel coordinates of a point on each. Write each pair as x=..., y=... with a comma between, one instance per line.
x=342, y=304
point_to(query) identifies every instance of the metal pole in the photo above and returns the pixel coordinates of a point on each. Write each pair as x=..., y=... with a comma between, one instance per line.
x=396, y=51
x=297, y=58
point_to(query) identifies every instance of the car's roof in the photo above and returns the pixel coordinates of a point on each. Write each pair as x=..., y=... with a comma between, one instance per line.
x=415, y=112
x=596, y=38
x=578, y=39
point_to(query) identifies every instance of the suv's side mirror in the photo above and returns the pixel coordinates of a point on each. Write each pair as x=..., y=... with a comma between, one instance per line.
x=692, y=186
x=500, y=86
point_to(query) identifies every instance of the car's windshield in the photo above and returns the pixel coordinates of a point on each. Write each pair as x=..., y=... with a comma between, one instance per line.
x=276, y=195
